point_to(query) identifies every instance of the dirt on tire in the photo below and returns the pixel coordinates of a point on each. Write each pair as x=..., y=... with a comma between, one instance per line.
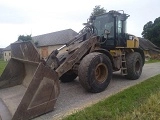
x=134, y=65
x=86, y=72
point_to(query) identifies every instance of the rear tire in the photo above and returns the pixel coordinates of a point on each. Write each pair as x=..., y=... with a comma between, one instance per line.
x=134, y=65
x=95, y=72
x=68, y=77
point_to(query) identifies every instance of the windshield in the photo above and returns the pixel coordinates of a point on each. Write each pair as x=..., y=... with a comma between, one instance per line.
x=104, y=22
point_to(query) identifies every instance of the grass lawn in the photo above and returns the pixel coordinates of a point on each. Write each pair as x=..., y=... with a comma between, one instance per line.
x=141, y=101
x=152, y=61
x=149, y=110
x=2, y=65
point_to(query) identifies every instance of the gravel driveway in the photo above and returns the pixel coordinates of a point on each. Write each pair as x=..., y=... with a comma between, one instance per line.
x=73, y=97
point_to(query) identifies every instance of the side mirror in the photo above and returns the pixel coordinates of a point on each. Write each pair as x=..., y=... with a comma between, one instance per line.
x=106, y=33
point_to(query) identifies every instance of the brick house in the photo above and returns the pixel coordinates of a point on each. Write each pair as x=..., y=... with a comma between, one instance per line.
x=7, y=53
x=46, y=43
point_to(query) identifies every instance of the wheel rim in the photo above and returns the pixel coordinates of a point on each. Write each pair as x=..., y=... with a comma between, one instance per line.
x=137, y=66
x=101, y=72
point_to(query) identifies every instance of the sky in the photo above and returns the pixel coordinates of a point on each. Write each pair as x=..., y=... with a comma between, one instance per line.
x=37, y=17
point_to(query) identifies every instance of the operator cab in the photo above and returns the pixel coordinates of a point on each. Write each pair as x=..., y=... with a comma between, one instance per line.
x=111, y=28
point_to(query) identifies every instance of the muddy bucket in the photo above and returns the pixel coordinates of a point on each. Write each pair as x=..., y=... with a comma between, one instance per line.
x=28, y=88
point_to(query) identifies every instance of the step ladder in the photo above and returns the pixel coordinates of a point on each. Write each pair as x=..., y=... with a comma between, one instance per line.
x=123, y=65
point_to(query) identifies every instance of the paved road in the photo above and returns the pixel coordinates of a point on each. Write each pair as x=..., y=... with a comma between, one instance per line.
x=73, y=97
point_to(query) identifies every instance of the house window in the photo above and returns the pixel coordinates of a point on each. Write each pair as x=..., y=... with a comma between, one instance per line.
x=9, y=54
x=5, y=54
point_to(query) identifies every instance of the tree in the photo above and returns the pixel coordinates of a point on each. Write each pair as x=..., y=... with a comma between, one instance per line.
x=97, y=10
x=25, y=38
x=151, y=31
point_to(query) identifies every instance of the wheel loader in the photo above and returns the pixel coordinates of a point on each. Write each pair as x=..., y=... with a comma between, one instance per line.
x=100, y=48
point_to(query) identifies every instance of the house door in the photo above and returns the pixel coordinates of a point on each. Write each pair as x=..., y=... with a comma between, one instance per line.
x=44, y=52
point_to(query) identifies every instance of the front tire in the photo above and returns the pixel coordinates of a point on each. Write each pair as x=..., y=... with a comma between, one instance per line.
x=95, y=72
x=134, y=65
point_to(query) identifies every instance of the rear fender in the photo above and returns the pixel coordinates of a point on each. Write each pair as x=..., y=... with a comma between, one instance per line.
x=107, y=53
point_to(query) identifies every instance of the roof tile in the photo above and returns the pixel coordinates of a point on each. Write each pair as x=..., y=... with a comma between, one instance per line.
x=55, y=38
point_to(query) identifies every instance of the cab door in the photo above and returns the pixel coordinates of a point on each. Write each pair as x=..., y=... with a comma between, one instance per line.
x=121, y=29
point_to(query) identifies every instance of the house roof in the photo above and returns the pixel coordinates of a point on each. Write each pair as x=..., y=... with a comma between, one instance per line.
x=147, y=45
x=55, y=38
x=1, y=50
x=8, y=48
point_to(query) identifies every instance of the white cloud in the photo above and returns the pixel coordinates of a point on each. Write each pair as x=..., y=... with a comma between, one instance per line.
x=43, y=16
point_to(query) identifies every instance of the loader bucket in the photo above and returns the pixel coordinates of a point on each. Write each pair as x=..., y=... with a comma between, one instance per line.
x=28, y=88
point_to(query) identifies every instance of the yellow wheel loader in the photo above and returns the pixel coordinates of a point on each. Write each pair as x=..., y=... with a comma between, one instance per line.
x=29, y=85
